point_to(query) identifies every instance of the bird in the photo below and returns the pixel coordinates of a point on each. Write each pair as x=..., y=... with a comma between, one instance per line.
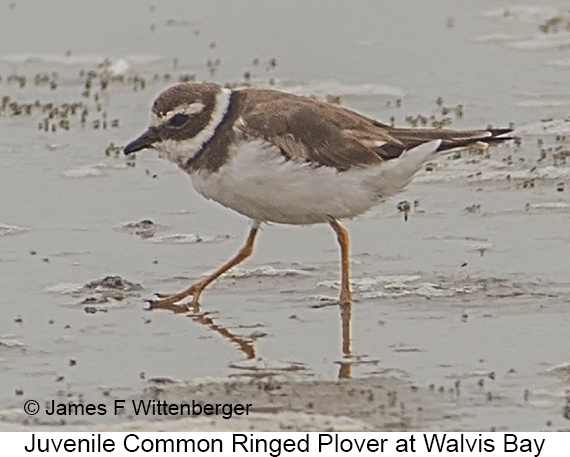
x=277, y=157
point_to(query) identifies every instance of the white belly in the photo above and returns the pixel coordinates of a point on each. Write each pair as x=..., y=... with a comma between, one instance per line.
x=259, y=183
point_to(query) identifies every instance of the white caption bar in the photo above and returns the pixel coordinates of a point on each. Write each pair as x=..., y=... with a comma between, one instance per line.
x=285, y=444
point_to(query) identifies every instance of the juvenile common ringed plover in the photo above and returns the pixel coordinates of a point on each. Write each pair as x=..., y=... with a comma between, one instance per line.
x=278, y=157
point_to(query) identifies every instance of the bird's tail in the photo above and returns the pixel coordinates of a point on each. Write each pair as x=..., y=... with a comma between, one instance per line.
x=451, y=139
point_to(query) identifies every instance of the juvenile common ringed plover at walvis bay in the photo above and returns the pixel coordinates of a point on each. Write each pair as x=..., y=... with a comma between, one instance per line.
x=282, y=158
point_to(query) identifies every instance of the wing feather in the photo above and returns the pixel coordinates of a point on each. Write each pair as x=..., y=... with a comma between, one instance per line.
x=308, y=130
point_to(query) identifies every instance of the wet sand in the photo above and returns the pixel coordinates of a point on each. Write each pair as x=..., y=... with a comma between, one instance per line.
x=461, y=312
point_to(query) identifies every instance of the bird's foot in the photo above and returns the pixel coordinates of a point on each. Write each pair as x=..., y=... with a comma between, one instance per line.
x=171, y=301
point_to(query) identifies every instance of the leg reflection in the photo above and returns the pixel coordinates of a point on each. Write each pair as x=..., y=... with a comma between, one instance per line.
x=203, y=318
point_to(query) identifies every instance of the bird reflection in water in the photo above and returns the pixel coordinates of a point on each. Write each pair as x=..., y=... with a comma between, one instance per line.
x=246, y=345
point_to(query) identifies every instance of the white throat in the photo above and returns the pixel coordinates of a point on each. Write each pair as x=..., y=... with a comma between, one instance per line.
x=180, y=151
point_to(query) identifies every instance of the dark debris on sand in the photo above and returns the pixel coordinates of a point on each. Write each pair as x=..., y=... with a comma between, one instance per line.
x=106, y=291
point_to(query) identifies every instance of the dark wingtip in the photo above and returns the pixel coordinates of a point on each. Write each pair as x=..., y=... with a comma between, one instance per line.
x=498, y=133
x=496, y=136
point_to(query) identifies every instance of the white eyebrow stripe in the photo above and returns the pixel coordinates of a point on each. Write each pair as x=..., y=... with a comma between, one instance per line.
x=188, y=109
x=194, y=108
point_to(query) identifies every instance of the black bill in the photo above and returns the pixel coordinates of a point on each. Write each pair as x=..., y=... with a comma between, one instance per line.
x=146, y=140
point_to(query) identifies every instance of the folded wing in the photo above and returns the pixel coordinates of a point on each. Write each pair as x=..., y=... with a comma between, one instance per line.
x=307, y=130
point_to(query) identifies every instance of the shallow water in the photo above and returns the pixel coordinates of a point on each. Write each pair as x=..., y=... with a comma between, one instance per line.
x=472, y=288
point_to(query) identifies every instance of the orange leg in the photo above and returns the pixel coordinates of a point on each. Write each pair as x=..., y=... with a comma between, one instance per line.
x=196, y=289
x=342, y=236
x=345, y=371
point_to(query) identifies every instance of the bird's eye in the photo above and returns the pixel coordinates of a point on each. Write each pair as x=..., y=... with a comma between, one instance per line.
x=178, y=120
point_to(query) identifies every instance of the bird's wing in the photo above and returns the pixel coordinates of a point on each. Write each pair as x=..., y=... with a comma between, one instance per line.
x=328, y=135
x=450, y=139
x=311, y=131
